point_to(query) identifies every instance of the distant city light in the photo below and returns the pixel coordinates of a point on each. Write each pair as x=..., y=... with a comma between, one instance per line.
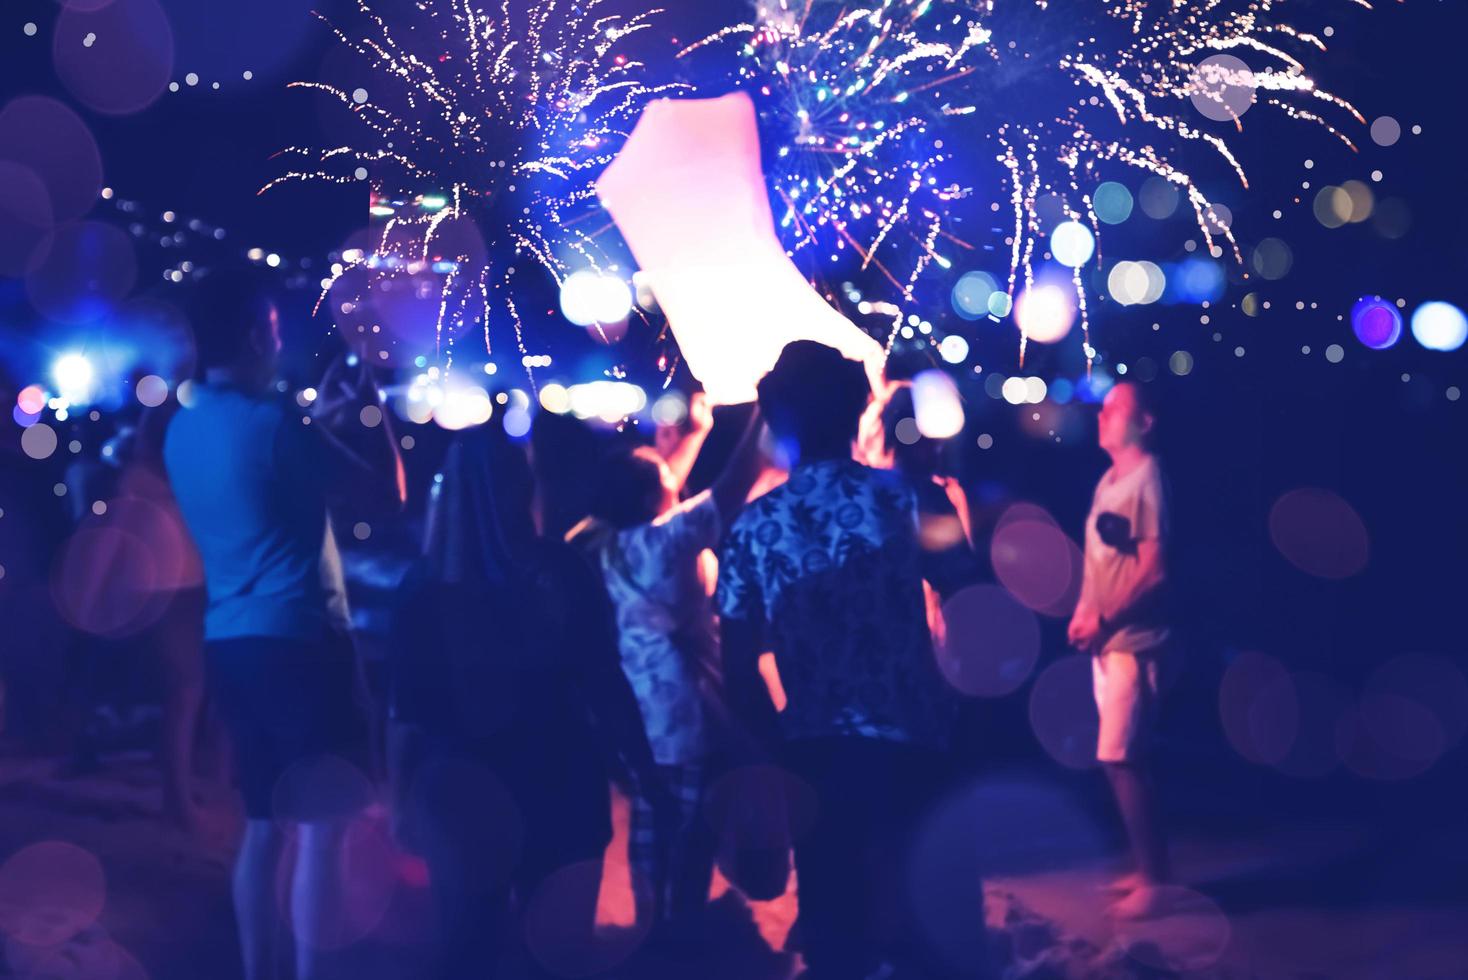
x=1045, y=313
x=589, y=297
x=74, y=377
x=1376, y=322
x=1072, y=244
x=937, y=406
x=1439, y=326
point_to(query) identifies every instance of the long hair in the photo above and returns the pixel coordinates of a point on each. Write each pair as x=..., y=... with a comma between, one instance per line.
x=480, y=523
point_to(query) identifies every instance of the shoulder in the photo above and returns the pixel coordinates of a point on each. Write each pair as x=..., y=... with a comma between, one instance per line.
x=699, y=507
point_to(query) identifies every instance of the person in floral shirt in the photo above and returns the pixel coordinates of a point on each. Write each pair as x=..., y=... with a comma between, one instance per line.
x=827, y=571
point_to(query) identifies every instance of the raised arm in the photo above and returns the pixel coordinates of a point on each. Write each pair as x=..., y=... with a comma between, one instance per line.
x=731, y=489
x=680, y=458
x=362, y=466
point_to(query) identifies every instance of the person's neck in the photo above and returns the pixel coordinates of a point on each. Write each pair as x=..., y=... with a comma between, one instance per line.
x=823, y=454
x=1127, y=458
x=240, y=378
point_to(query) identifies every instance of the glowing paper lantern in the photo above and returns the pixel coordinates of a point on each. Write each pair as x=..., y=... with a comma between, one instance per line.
x=687, y=192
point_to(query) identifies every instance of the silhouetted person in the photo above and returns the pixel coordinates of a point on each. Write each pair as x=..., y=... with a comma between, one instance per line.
x=504, y=662
x=254, y=482
x=650, y=546
x=825, y=570
x=1122, y=620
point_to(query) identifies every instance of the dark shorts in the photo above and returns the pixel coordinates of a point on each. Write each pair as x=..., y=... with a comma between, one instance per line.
x=299, y=731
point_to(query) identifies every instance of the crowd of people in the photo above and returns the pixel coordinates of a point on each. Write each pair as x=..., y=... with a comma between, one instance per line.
x=709, y=651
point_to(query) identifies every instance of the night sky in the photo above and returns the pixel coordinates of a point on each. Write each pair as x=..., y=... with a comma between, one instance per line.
x=1254, y=419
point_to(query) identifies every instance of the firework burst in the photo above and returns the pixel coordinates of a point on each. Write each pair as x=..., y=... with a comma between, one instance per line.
x=850, y=98
x=508, y=113
x=863, y=99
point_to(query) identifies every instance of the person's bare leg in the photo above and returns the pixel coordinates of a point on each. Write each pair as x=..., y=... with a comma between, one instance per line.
x=1138, y=806
x=1139, y=815
x=254, y=897
x=316, y=894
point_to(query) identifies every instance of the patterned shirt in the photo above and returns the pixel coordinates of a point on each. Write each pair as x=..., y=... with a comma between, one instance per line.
x=665, y=624
x=830, y=563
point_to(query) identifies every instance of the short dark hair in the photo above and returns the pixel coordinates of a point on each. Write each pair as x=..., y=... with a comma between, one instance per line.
x=225, y=305
x=1146, y=399
x=629, y=487
x=814, y=396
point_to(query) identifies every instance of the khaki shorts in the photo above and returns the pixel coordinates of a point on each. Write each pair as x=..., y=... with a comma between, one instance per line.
x=1126, y=687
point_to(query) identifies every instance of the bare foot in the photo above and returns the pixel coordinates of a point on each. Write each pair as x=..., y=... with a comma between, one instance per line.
x=1147, y=902
x=1126, y=884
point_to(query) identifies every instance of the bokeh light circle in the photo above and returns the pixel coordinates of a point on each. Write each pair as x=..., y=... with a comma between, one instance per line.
x=1319, y=533
x=1439, y=326
x=1045, y=313
x=1222, y=88
x=971, y=294
x=560, y=925
x=1385, y=131
x=1158, y=198
x=1072, y=244
x=25, y=217
x=38, y=441
x=1036, y=561
x=127, y=66
x=152, y=391
x=937, y=406
x=1063, y=711
x=991, y=642
x=106, y=582
x=589, y=297
x=1376, y=322
x=51, y=140
x=1273, y=259
x=49, y=892
x=1320, y=704
x=1258, y=708
x=1136, y=283
x=1413, y=710
x=88, y=269
x=1112, y=202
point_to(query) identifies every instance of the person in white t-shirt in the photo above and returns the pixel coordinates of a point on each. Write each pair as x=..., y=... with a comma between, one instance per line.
x=1122, y=620
x=651, y=548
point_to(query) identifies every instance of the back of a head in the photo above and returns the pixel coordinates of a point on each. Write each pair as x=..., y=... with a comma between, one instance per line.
x=225, y=307
x=563, y=453
x=482, y=521
x=813, y=398
x=629, y=487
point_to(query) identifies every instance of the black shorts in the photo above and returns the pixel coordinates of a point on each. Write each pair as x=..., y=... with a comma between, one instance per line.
x=298, y=727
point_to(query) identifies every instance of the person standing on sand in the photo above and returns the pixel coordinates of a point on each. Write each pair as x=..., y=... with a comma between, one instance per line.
x=1122, y=621
x=255, y=482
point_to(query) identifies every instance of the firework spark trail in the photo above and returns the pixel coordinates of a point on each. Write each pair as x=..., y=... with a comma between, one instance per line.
x=1065, y=90
x=510, y=111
